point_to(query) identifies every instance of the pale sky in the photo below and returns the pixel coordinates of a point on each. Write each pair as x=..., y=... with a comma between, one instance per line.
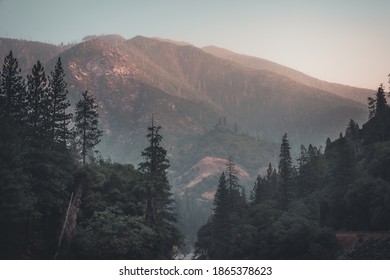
x=343, y=41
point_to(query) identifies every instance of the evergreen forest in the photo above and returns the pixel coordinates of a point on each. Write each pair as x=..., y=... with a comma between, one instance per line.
x=59, y=200
x=301, y=211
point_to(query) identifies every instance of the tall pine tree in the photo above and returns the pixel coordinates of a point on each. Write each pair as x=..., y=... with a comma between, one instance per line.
x=87, y=125
x=232, y=179
x=221, y=201
x=237, y=195
x=12, y=90
x=12, y=100
x=59, y=105
x=38, y=102
x=264, y=187
x=221, y=221
x=377, y=129
x=285, y=174
x=158, y=202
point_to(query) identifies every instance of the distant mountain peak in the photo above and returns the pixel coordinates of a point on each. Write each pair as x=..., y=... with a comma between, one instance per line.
x=179, y=43
x=111, y=39
x=158, y=40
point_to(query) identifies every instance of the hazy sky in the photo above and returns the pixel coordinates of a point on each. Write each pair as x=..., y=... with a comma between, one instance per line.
x=343, y=41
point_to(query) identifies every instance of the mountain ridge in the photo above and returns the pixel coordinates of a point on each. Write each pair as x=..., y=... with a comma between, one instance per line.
x=204, y=74
x=262, y=103
x=351, y=92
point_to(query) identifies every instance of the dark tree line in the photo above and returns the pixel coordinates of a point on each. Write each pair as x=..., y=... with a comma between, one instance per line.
x=37, y=114
x=295, y=212
x=56, y=200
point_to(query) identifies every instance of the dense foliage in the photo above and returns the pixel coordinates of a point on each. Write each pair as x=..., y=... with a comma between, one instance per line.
x=295, y=212
x=56, y=199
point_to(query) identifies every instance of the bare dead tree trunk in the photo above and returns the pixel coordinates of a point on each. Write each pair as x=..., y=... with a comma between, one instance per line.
x=70, y=220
